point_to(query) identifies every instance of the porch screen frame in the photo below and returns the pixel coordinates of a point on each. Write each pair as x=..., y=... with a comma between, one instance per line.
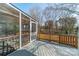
x=36, y=23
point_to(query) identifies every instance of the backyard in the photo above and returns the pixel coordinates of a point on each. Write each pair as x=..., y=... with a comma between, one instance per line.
x=48, y=31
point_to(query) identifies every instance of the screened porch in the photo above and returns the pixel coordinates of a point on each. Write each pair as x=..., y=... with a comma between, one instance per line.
x=17, y=29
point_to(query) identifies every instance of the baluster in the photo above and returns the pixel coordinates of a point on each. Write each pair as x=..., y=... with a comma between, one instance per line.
x=67, y=40
x=64, y=39
x=7, y=49
x=73, y=40
x=3, y=47
x=14, y=43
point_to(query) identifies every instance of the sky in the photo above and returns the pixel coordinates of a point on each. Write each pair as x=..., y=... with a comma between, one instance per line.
x=23, y=6
x=26, y=6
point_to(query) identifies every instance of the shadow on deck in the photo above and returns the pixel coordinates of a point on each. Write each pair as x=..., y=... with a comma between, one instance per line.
x=21, y=52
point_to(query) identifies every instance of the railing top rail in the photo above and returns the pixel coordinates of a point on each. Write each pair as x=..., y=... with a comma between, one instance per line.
x=67, y=35
x=10, y=36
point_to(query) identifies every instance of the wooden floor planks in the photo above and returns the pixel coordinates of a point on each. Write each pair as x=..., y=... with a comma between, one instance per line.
x=40, y=48
x=47, y=49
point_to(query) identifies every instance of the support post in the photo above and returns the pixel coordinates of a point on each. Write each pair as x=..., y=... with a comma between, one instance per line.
x=30, y=29
x=20, y=29
x=78, y=39
x=36, y=30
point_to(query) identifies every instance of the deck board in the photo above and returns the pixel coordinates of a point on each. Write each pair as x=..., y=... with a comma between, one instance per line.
x=40, y=48
x=46, y=49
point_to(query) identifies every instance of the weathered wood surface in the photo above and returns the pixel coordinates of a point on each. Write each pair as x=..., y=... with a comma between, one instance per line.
x=40, y=48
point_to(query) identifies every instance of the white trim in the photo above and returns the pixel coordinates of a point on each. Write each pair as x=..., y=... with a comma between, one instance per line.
x=19, y=10
x=36, y=28
x=32, y=19
x=20, y=26
x=13, y=7
x=2, y=11
x=30, y=29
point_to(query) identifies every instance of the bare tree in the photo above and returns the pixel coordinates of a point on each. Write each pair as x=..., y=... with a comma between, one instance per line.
x=68, y=24
x=51, y=14
x=55, y=11
x=35, y=13
x=49, y=25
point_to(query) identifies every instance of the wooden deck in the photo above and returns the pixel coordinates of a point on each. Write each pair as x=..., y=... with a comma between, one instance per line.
x=40, y=48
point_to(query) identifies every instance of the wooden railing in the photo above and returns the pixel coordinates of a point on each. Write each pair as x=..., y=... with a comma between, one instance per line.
x=9, y=44
x=64, y=39
x=48, y=37
x=68, y=40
